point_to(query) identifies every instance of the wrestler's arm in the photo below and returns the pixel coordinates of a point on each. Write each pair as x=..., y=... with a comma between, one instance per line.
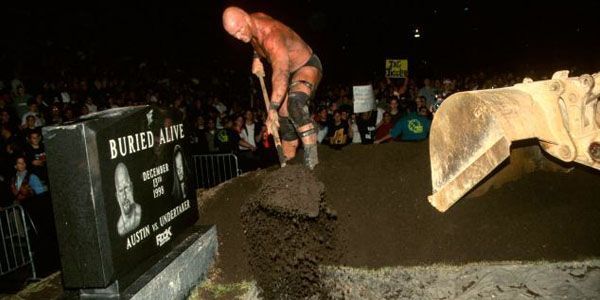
x=280, y=63
x=257, y=66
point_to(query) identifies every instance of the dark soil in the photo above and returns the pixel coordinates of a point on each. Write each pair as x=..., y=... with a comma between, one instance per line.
x=290, y=232
x=294, y=191
x=383, y=217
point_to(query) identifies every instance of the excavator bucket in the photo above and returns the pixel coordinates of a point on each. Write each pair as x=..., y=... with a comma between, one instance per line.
x=472, y=132
x=525, y=158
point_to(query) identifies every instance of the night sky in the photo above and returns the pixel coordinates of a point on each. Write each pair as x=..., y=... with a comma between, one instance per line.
x=352, y=39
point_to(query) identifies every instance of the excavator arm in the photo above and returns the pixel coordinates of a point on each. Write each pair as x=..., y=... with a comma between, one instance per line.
x=472, y=132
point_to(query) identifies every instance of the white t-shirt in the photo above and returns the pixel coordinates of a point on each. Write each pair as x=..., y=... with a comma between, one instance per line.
x=220, y=107
x=66, y=98
x=38, y=121
x=355, y=134
x=92, y=107
x=380, y=112
x=247, y=134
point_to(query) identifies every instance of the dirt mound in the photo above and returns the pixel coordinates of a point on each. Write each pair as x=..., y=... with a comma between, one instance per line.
x=290, y=231
x=293, y=190
x=383, y=218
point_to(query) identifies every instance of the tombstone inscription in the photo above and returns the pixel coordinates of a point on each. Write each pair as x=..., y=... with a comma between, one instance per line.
x=122, y=198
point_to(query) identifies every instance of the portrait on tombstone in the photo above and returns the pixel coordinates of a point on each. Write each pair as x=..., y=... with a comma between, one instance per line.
x=179, y=186
x=131, y=212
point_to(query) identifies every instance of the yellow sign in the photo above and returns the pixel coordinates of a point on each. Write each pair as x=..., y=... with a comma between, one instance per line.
x=396, y=68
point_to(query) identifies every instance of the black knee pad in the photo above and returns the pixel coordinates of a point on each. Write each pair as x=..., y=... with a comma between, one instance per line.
x=298, y=108
x=286, y=129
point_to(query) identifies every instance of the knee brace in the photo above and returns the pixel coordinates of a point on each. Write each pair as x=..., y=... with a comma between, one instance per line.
x=286, y=129
x=298, y=108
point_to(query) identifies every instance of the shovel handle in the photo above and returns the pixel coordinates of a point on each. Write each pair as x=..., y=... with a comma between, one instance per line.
x=275, y=133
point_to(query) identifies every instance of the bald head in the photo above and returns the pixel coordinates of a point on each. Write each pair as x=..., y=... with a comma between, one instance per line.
x=237, y=23
x=121, y=174
x=124, y=189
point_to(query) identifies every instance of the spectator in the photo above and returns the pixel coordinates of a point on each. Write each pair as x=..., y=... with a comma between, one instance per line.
x=20, y=101
x=339, y=132
x=322, y=120
x=354, y=130
x=42, y=105
x=211, y=136
x=226, y=139
x=36, y=155
x=394, y=110
x=8, y=144
x=83, y=110
x=24, y=186
x=6, y=120
x=420, y=102
x=448, y=88
x=366, y=126
x=91, y=106
x=69, y=114
x=198, y=138
x=29, y=126
x=179, y=108
x=385, y=126
x=218, y=105
x=413, y=127
x=249, y=134
x=249, y=131
x=428, y=92
x=65, y=97
x=55, y=115
x=238, y=123
x=266, y=151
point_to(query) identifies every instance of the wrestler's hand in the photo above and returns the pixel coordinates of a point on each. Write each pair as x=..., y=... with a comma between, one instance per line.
x=272, y=121
x=258, y=68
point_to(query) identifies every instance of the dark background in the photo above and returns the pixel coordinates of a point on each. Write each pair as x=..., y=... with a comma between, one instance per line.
x=352, y=39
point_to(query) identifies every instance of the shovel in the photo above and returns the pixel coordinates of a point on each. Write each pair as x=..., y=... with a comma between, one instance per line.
x=275, y=132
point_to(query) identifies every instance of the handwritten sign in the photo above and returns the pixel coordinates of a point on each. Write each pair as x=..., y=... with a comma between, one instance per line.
x=364, y=98
x=396, y=68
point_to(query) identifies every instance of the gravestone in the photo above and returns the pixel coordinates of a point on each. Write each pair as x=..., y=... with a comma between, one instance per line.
x=123, y=199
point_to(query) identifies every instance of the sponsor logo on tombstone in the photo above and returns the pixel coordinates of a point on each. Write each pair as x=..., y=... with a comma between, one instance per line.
x=163, y=237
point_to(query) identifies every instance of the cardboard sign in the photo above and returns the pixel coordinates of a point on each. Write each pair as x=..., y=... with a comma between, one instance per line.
x=396, y=68
x=121, y=190
x=364, y=98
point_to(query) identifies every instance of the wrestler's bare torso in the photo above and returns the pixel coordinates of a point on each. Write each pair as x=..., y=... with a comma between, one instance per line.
x=286, y=52
x=272, y=35
x=288, y=56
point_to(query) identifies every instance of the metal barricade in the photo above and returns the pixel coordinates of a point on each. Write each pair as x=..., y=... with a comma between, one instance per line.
x=15, y=247
x=212, y=169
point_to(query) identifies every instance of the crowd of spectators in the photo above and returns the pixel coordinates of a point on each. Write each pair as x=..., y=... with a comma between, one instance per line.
x=222, y=112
